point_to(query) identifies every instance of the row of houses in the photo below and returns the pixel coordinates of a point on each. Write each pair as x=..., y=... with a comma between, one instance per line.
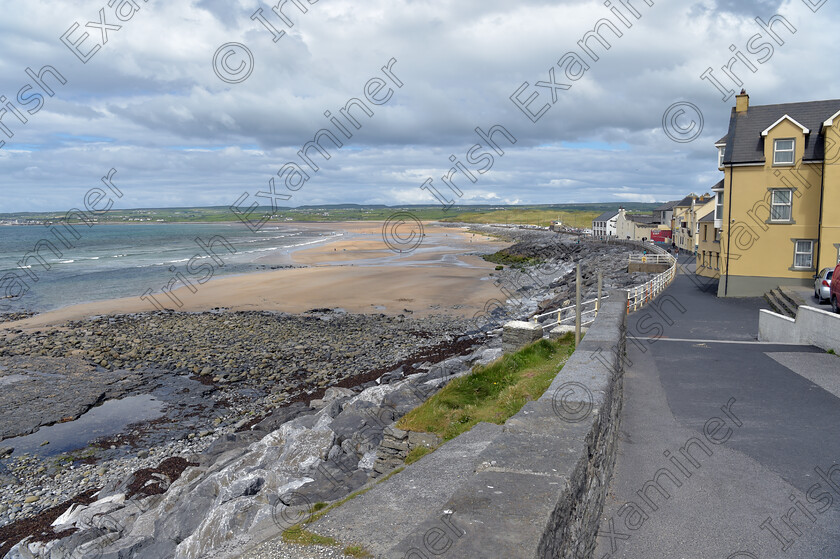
x=777, y=211
x=774, y=217
x=637, y=227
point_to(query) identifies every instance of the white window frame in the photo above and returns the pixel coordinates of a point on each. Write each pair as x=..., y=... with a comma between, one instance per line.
x=719, y=206
x=721, y=151
x=789, y=205
x=809, y=252
x=777, y=151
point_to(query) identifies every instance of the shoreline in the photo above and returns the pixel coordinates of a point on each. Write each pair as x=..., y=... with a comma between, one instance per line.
x=360, y=274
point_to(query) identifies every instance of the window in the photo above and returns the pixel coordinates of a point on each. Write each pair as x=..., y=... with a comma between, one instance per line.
x=783, y=152
x=720, y=156
x=719, y=206
x=803, y=255
x=780, y=201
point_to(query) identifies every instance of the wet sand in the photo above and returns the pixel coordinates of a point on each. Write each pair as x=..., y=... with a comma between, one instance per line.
x=357, y=272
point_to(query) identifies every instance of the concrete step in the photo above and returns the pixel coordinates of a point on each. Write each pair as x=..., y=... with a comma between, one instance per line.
x=780, y=304
x=791, y=296
x=390, y=510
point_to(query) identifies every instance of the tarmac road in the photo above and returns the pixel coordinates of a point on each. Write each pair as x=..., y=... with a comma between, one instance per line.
x=723, y=439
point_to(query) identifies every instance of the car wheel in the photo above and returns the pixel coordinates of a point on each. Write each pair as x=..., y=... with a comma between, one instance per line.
x=834, y=304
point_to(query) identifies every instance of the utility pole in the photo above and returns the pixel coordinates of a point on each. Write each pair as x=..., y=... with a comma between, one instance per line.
x=577, y=306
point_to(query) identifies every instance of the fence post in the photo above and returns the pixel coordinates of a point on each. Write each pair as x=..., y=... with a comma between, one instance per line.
x=577, y=305
x=600, y=285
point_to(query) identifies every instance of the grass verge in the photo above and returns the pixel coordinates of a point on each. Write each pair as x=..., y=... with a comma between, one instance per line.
x=491, y=393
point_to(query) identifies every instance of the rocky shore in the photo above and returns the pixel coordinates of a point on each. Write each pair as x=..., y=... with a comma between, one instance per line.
x=268, y=413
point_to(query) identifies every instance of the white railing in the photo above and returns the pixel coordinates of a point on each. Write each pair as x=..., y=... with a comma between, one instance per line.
x=569, y=312
x=639, y=296
x=650, y=258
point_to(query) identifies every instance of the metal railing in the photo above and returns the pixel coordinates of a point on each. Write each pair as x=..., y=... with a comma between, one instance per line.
x=655, y=258
x=639, y=296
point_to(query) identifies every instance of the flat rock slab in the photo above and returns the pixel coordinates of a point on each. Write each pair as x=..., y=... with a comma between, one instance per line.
x=37, y=391
x=391, y=510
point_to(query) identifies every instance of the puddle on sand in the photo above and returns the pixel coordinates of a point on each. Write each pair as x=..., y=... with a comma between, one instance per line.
x=105, y=420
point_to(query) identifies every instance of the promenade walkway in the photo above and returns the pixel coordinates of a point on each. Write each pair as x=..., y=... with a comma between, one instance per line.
x=727, y=444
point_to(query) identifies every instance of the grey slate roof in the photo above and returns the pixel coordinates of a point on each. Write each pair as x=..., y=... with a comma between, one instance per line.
x=746, y=145
x=606, y=216
x=648, y=219
x=666, y=206
x=685, y=202
x=708, y=217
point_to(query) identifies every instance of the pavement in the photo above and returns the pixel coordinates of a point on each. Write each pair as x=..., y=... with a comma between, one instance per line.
x=724, y=439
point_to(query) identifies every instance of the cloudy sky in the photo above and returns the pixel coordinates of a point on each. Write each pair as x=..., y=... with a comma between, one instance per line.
x=151, y=104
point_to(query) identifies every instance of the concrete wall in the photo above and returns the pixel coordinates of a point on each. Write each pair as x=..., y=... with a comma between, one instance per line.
x=754, y=286
x=812, y=326
x=539, y=487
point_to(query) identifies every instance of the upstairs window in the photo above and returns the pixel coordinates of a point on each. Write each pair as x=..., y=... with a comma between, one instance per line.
x=720, y=156
x=780, y=205
x=719, y=205
x=783, y=152
x=803, y=256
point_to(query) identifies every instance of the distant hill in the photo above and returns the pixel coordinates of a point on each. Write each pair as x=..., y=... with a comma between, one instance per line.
x=473, y=213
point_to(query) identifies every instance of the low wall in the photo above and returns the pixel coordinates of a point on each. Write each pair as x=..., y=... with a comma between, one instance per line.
x=539, y=487
x=812, y=326
x=647, y=267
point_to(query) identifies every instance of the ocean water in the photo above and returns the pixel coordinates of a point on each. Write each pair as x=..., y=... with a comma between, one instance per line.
x=125, y=260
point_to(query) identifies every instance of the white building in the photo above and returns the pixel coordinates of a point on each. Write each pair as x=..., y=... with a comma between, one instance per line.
x=605, y=224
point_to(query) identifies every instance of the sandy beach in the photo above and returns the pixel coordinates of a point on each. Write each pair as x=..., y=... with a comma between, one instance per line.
x=357, y=271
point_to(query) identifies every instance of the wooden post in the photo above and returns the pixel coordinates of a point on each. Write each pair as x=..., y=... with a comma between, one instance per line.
x=577, y=305
x=600, y=286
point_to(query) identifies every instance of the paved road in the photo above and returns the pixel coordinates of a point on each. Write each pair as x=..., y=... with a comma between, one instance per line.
x=756, y=423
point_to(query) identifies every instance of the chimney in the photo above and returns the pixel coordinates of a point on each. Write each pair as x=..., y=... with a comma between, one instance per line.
x=742, y=102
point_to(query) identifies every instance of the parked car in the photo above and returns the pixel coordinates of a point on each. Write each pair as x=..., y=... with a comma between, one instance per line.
x=822, y=284
x=834, y=291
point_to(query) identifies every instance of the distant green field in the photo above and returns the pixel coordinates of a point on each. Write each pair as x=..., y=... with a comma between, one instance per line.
x=529, y=217
x=575, y=215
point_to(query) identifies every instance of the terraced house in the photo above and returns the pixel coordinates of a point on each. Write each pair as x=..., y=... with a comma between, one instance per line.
x=778, y=207
x=686, y=217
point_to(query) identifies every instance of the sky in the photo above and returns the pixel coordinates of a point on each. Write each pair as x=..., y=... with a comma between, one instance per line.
x=198, y=102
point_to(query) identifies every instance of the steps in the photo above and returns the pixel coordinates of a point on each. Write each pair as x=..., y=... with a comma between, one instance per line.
x=783, y=301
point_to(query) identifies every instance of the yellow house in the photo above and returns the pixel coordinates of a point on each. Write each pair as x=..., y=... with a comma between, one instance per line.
x=779, y=205
x=686, y=218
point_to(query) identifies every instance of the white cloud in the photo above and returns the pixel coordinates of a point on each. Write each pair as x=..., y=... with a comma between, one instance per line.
x=149, y=104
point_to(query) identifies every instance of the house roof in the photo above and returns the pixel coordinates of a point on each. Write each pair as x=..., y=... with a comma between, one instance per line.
x=718, y=185
x=744, y=141
x=703, y=200
x=708, y=217
x=606, y=216
x=685, y=202
x=666, y=206
x=641, y=218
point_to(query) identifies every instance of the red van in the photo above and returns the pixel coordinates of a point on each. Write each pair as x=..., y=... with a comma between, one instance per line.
x=834, y=290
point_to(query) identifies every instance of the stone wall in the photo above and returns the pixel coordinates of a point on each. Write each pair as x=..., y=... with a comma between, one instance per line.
x=539, y=487
x=395, y=446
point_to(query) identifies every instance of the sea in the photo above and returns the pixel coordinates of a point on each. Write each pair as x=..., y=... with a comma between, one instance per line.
x=109, y=261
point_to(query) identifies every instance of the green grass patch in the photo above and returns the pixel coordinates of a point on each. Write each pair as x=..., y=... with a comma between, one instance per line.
x=357, y=551
x=535, y=216
x=416, y=454
x=491, y=393
x=505, y=258
x=298, y=535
